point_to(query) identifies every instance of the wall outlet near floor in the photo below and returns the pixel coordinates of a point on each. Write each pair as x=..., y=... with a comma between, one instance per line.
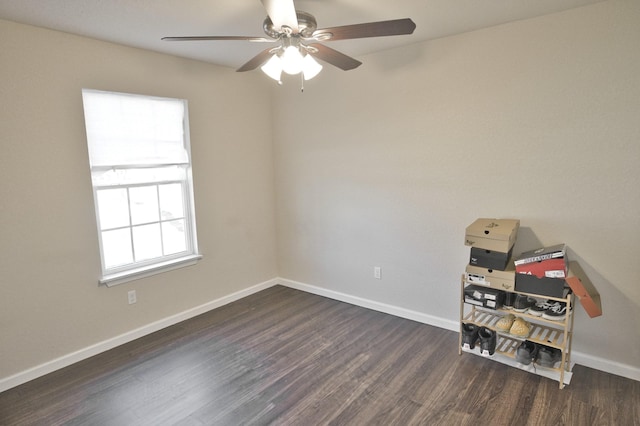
x=377, y=272
x=132, y=297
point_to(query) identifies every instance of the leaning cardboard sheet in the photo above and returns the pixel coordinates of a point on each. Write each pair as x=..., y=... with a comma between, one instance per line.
x=584, y=290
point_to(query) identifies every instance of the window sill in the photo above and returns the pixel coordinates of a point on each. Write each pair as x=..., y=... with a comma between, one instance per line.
x=136, y=274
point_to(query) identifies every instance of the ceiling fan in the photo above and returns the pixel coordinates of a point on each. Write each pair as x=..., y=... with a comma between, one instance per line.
x=298, y=41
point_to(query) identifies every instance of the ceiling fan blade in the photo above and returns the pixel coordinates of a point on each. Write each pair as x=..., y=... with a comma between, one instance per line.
x=256, y=61
x=220, y=38
x=282, y=12
x=370, y=29
x=334, y=57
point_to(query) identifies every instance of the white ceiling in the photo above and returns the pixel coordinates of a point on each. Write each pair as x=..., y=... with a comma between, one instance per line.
x=141, y=23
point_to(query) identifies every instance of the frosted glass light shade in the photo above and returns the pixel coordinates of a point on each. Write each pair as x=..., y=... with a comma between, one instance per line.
x=292, y=60
x=273, y=67
x=310, y=67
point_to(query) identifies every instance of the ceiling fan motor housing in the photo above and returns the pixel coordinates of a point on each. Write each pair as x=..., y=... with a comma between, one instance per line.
x=306, y=26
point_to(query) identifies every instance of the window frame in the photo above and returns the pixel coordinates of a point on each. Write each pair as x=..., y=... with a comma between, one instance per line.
x=111, y=276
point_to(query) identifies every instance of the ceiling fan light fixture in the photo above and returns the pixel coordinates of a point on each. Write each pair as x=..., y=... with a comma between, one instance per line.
x=273, y=67
x=292, y=60
x=299, y=41
x=310, y=67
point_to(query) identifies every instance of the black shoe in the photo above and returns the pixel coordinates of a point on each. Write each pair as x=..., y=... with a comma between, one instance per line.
x=526, y=352
x=509, y=299
x=539, y=308
x=469, y=335
x=548, y=356
x=523, y=303
x=556, y=312
x=488, y=340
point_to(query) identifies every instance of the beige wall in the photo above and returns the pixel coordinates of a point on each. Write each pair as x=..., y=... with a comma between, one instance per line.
x=50, y=301
x=537, y=120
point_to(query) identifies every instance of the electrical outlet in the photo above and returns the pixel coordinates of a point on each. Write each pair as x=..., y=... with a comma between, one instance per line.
x=132, y=297
x=377, y=272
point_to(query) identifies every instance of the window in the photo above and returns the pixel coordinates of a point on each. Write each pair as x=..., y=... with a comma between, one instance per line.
x=141, y=173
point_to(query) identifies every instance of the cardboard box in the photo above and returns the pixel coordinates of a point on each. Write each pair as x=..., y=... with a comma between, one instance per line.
x=494, y=278
x=492, y=234
x=544, y=253
x=486, y=297
x=584, y=290
x=470, y=300
x=551, y=268
x=552, y=287
x=489, y=259
x=473, y=296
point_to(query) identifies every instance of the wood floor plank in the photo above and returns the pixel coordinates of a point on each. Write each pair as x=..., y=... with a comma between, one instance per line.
x=285, y=357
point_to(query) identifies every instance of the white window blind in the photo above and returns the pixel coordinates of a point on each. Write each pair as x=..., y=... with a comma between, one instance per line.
x=127, y=129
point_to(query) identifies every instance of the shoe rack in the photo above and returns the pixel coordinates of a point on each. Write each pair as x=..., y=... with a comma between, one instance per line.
x=556, y=334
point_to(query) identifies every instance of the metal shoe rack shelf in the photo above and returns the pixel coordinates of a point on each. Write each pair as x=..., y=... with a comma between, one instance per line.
x=556, y=334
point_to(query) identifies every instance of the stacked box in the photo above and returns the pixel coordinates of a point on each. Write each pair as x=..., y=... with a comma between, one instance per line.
x=490, y=259
x=494, y=278
x=552, y=287
x=485, y=297
x=490, y=263
x=492, y=234
x=547, y=262
x=542, y=271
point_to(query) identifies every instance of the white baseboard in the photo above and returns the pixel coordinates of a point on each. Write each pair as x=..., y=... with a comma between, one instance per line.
x=586, y=360
x=608, y=366
x=376, y=306
x=66, y=360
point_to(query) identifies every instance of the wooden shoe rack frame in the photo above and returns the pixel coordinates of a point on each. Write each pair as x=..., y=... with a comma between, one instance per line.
x=556, y=334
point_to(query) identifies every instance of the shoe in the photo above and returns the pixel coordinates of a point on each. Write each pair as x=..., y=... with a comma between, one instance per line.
x=505, y=323
x=520, y=328
x=488, y=340
x=469, y=335
x=556, y=312
x=509, y=299
x=526, y=352
x=539, y=308
x=548, y=356
x=523, y=303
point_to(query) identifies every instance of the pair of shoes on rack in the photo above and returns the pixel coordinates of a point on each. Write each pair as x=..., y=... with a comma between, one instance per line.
x=509, y=300
x=551, y=310
x=548, y=356
x=522, y=303
x=545, y=356
x=513, y=325
x=471, y=333
x=526, y=352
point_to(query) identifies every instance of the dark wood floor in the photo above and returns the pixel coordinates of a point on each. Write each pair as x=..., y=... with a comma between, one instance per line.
x=286, y=357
